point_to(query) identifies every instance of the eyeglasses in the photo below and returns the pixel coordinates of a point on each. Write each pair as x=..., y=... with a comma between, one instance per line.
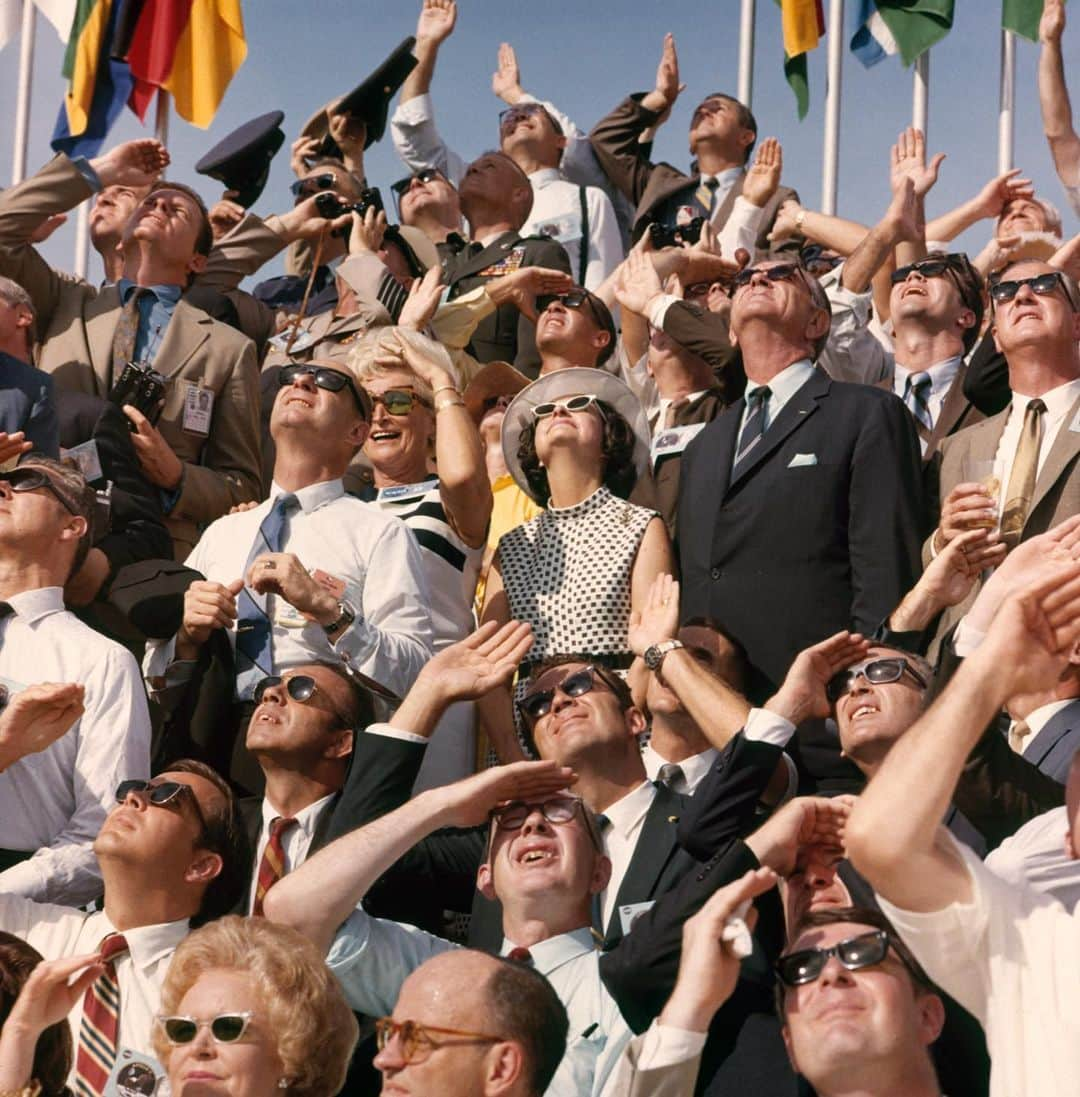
x=398, y=401
x=226, y=1028
x=928, y=268
x=1041, y=284
x=798, y=968
x=512, y=115
x=416, y=1039
x=31, y=479
x=324, y=378
x=572, y=403
x=424, y=175
x=700, y=289
x=300, y=687
x=575, y=299
x=305, y=188
x=877, y=672
x=782, y=272
x=161, y=794
x=557, y=810
x=817, y=259
x=535, y=705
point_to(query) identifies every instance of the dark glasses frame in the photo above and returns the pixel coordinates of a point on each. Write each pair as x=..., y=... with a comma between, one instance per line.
x=23, y=478
x=865, y=950
x=572, y=299
x=780, y=272
x=840, y=684
x=181, y=1029
x=161, y=794
x=404, y=397
x=581, y=402
x=527, y=110
x=954, y=262
x=537, y=704
x=300, y=688
x=323, y=377
x=416, y=1041
x=1003, y=290
x=313, y=184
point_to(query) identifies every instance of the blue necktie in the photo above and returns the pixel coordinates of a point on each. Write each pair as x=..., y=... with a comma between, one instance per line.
x=917, y=397
x=754, y=427
x=254, y=647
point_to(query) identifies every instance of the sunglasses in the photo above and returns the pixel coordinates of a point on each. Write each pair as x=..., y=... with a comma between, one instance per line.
x=1041, y=284
x=535, y=705
x=877, y=672
x=782, y=272
x=802, y=967
x=398, y=401
x=575, y=299
x=161, y=794
x=817, y=259
x=572, y=403
x=928, y=268
x=415, y=1038
x=300, y=687
x=512, y=115
x=31, y=479
x=324, y=378
x=226, y=1028
x=304, y=188
x=700, y=289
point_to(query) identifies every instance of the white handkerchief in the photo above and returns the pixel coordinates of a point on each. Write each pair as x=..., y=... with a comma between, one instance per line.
x=801, y=459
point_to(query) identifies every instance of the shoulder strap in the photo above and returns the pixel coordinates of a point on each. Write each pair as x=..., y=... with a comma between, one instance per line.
x=584, y=261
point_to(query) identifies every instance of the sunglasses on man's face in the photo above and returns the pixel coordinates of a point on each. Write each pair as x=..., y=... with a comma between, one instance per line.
x=512, y=115
x=782, y=272
x=425, y=175
x=1041, y=284
x=300, y=687
x=305, y=188
x=928, y=268
x=802, y=967
x=819, y=260
x=31, y=479
x=324, y=378
x=537, y=704
x=161, y=794
x=575, y=299
x=398, y=402
x=877, y=672
x=226, y=1028
x=572, y=403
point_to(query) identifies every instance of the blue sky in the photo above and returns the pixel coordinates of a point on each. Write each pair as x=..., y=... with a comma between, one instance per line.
x=586, y=57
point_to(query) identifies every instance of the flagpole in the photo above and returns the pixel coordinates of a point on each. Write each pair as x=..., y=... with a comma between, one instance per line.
x=746, y=53
x=921, y=98
x=26, y=79
x=831, y=155
x=1007, y=100
x=161, y=118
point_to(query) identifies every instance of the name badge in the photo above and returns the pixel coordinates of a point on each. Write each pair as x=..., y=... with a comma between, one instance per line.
x=198, y=409
x=86, y=460
x=507, y=264
x=304, y=339
x=565, y=229
x=400, y=492
x=674, y=440
x=629, y=913
x=136, y=1074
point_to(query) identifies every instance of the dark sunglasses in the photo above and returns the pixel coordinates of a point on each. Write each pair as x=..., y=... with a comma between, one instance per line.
x=575, y=299
x=398, y=401
x=877, y=672
x=928, y=268
x=700, y=289
x=305, y=188
x=424, y=175
x=782, y=272
x=31, y=479
x=574, y=403
x=161, y=794
x=300, y=687
x=512, y=115
x=324, y=378
x=816, y=258
x=415, y=1038
x=1041, y=284
x=798, y=968
x=535, y=705
x=226, y=1028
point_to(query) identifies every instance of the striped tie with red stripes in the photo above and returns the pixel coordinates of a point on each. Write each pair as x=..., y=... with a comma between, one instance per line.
x=100, y=1024
x=272, y=865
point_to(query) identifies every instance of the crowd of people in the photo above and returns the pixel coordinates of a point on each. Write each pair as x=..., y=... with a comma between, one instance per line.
x=614, y=631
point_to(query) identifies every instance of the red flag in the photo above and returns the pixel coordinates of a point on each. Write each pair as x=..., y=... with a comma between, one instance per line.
x=153, y=47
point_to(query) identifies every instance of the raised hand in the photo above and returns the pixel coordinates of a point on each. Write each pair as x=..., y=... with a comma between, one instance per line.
x=47, y=228
x=1052, y=23
x=668, y=88
x=658, y=619
x=1000, y=191
x=903, y=218
x=908, y=161
x=468, y=803
x=132, y=164
x=302, y=150
x=764, y=175
x=436, y=22
x=350, y=133
x=807, y=821
x=425, y=294
x=13, y=445
x=207, y=606
x=638, y=283
x=485, y=659
x=506, y=81
x=49, y=995
x=366, y=234
x=304, y=222
x=281, y=573
x=802, y=693
x=225, y=216
x=37, y=716
x=522, y=287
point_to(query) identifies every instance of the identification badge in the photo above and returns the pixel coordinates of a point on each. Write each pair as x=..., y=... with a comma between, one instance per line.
x=565, y=229
x=400, y=492
x=136, y=1074
x=674, y=440
x=86, y=460
x=198, y=409
x=629, y=913
x=287, y=615
x=507, y=264
x=304, y=339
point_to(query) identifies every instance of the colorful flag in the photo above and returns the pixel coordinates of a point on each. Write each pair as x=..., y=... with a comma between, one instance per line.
x=1022, y=17
x=908, y=27
x=151, y=47
x=803, y=23
x=98, y=84
x=208, y=53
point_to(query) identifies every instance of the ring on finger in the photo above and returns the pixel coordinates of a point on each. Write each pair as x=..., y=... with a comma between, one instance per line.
x=270, y=564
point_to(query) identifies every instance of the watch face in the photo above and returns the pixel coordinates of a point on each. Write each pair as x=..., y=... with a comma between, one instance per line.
x=653, y=657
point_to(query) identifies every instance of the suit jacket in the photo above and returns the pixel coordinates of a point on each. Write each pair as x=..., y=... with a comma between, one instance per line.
x=1052, y=749
x=818, y=531
x=76, y=325
x=26, y=404
x=675, y=1080
x=505, y=335
x=625, y=161
x=986, y=383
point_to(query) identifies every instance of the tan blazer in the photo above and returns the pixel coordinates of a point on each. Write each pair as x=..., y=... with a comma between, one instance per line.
x=629, y=1080
x=76, y=325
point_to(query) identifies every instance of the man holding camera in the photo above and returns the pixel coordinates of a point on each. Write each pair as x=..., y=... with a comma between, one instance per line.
x=138, y=342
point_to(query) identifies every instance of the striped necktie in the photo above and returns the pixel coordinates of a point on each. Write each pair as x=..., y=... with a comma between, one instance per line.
x=1024, y=473
x=754, y=427
x=706, y=195
x=272, y=865
x=917, y=398
x=100, y=1027
x=254, y=629
x=127, y=331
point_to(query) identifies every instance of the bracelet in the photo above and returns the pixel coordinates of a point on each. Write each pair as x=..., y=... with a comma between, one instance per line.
x=443, y=388
x=458, y=403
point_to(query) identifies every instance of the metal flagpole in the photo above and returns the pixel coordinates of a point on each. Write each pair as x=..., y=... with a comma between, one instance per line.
x=831, y=155
x=1007, y=101
x=746, y=53
x=921, y=98
x=22, y=103
x=161, y=118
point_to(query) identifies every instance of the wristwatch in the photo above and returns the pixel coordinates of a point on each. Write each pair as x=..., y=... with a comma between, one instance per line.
x=346, y=616
x=654, y=654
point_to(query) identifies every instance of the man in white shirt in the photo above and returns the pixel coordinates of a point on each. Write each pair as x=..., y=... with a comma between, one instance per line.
x=53, y=803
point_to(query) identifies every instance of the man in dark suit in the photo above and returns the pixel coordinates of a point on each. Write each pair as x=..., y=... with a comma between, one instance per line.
x=26, y=400
x=722, y=135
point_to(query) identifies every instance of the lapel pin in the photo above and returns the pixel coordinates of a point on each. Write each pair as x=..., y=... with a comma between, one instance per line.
x=672, y=818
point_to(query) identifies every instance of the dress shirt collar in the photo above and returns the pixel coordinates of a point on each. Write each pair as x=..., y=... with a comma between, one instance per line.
x=311, y=496
x=625, y=814
x=690, y=398
x=166, y=294
x=1042, y=716
x=1057, y=400
x=694, y=768
x=306, y=818
x=541, y=178
x=31, y=605
x=552, y=953
x=149, y=944
x=941, y=374
x=726, y=178
x=787, y=382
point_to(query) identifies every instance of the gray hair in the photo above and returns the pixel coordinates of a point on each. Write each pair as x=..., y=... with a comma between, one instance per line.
x=14, y=294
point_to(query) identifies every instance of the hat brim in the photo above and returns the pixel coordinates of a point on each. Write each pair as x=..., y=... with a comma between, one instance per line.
x=576, y=381
x=494, y=379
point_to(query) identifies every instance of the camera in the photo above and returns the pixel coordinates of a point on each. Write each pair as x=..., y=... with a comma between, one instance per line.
x=142, y=388
x=672, y=236
x=330, y=205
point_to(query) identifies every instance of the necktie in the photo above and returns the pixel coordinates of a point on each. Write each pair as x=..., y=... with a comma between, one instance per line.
x=706, y=195
x=127, y=330
x=521, y=955
x=272, y=865
x=671, y=774
x=1022, y=478
x=671, y=412
x=602, y=824
x=100, y=1025
x=254, y=650
x=1018, y=735
x=917, y=399
x=754, y=427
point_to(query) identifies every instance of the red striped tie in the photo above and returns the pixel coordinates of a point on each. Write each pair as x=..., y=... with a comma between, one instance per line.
x=100, y=1024
x=272, y=865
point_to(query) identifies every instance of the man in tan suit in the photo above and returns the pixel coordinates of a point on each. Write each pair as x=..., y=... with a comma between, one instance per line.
x=204, y=453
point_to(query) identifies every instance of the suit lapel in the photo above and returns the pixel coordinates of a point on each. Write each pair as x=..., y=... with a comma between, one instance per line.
x=721, y=215
x=1059, y=725
x=984, y=438
x=322, y=825
x=188, y=329
x=1063, y=451
x=101, y=317
x=952, y=410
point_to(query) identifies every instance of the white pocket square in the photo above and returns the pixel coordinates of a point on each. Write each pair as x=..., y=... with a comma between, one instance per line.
x=801, y=459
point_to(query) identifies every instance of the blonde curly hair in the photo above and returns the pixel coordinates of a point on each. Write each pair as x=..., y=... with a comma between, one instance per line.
x=303, y=1002
x=381, y=341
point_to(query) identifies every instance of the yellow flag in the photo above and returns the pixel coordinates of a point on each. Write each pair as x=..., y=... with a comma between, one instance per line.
x=211, y=49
